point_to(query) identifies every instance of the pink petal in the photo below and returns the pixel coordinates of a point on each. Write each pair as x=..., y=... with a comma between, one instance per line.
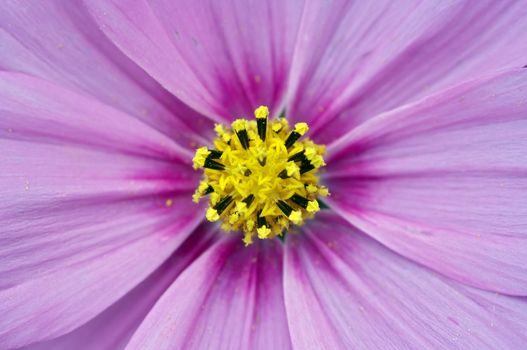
x=113, y=328
x=37, y=110
x=57, y=40
x=124, y=248
x=51, y=219
x=354, y=60
x=344, y=290
x=443, y=181
x=230, y=298
x=221, y=59
x=65, y=176
x=93, y=201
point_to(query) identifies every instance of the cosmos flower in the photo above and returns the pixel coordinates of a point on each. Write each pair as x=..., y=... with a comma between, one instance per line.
x=417, y=110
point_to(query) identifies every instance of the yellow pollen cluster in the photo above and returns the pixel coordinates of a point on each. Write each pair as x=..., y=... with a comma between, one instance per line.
x=260, y=177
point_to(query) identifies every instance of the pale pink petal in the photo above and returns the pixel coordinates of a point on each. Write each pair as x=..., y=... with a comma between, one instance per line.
x=125, y=242
x=223, y=59
x=230, y=298
x=112, y=329
x=59, y=41
x=344, y=290
x=37, y=110
x=44, y=233
x=68, y=172
x=355, y=59
x=444, y=181
x=93, y=201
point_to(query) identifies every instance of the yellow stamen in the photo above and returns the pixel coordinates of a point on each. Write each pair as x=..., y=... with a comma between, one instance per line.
x=277, y=127
x=301, y=128
x=241, y=207
x=261, y=112
x=296, y=217
x=212, y=215
x=233, y=218
x=203, y=186
x=318, y=161
x=247, y=239
x=249, y=225
x=292, y=169
x=219, y=129
x=260, y=182
x=239, y=124
x=199, y=158
x=312, y=207
x=263, y=232
x=323, y=191
x=312, y=188
x=310, y=152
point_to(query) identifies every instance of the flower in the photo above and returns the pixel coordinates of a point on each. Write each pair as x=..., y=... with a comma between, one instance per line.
x=421, y=105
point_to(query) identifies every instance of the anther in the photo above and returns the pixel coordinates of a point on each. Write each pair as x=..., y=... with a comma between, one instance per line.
x=301, y=201
x=214, y=154
x=300, y=130
x=239, y=126
x=284, y=207
x=292, y=169
x=311, y=188
x=261, y=114
x=199, y=159
x=291, y=139
x=296, y=217
x=244, y=138
x=248, y=200
x=277, y=127
x=306, y=166
x=223, y=204
x=297, y=157
x=212, y=164
x=312, y=207
x=260, y=220
x=263, y=232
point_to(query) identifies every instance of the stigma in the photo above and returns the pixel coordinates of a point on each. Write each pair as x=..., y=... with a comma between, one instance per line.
x=261, y=177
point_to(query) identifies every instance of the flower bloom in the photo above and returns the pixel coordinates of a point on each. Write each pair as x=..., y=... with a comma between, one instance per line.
x=421, y=107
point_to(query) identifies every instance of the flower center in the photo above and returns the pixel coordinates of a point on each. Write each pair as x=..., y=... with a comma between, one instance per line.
x=260, y=177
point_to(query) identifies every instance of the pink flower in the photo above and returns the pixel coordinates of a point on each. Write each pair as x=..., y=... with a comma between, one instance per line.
x=422, y=106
